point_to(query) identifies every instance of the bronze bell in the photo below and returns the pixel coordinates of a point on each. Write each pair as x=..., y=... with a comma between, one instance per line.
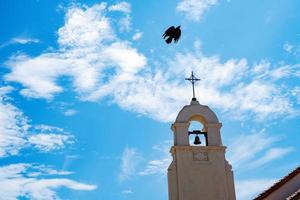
x=197, y=140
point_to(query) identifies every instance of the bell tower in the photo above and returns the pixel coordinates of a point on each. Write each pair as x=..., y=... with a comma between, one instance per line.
x=199, y=172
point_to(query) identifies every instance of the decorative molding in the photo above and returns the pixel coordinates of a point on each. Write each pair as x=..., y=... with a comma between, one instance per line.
x=228, y=166
x=179, y=124
x=217, y=125
x=197, y=148
x=200, y=156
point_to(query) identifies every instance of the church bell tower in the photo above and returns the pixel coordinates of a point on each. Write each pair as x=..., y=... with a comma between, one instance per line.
x=199, y=172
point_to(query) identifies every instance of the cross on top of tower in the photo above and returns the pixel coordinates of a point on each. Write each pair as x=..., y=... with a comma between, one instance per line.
x=193, y=79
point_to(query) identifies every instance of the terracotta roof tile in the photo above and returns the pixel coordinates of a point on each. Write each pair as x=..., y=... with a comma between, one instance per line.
x=277, y=185
x=295, y=196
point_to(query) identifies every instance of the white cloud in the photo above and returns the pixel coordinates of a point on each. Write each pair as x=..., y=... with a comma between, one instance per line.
x=296, y=93
x=270, y=155
x=194, y=9
x=85, y=27
x=159, y=166
x=49, y=138
x=70, y=112
x=122, y=6
x=39, y=170
x=125, y=57
x=13, y=127
x=33, y=182
x=227, y=86
x=125, y=23
x=16, y=132
x=248, y=189
x=49, y=142
x=127, y=192
x=101, y=65
x=43, y=128
x=5, y=90
x=254, y=150
x=138, y=35
x=288, y=47
x=245, y=147
x=129, y=162
x=20, y=40
x=24, y=40
x=88, y=47
x=293, y=49
x=38, y=74
x=265, y=70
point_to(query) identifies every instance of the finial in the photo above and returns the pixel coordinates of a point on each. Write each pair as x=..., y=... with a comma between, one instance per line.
x=193, y=79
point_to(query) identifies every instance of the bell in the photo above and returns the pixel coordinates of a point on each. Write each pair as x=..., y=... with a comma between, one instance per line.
x=197, y=140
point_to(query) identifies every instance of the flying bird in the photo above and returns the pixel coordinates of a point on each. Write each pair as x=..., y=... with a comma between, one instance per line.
x=172, y=33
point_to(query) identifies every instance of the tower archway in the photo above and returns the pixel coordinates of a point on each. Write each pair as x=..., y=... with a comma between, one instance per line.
x=197, y=134
x=199, y=113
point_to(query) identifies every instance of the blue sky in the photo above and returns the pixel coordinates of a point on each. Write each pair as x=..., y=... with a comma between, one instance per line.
x=89, y=89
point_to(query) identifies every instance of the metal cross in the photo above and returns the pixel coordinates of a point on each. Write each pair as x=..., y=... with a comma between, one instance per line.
x=193, y=79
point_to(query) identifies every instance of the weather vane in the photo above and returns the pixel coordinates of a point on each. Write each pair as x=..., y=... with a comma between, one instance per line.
x=193, y=79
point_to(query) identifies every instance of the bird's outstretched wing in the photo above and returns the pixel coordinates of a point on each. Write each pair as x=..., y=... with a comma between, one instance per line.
x=177, y=35
x=169, y=31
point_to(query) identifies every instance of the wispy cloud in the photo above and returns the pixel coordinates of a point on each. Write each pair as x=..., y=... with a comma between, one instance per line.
x=129, y=162
x=70, y=112
x=288, y=47
x=124, y=22
x=35, y=182
x=251, y=151
x=20, y=40
x=24, y=40
x=66, y=108
x=50, y=141
x=296, y=93
x=194, y=9
x=158, y=166
x=17, y=133
x=293, y=49
x=138, y=35
x=256, y=149
x=13, y=126
x=127, y=192
x=271, y=155
x=122, y=7
x=248, y=189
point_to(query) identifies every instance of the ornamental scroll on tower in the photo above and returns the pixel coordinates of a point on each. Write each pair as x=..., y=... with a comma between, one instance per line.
x=199, y=172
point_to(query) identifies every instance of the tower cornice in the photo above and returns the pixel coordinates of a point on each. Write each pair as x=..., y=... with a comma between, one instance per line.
x=197, y=148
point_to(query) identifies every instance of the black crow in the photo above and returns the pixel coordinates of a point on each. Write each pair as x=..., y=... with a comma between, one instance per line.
x=172, y=33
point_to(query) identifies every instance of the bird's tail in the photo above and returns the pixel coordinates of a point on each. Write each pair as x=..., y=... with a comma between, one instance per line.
x=169, y=40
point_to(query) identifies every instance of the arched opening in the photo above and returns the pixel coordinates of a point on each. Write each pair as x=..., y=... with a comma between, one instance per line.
x=196, y=129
